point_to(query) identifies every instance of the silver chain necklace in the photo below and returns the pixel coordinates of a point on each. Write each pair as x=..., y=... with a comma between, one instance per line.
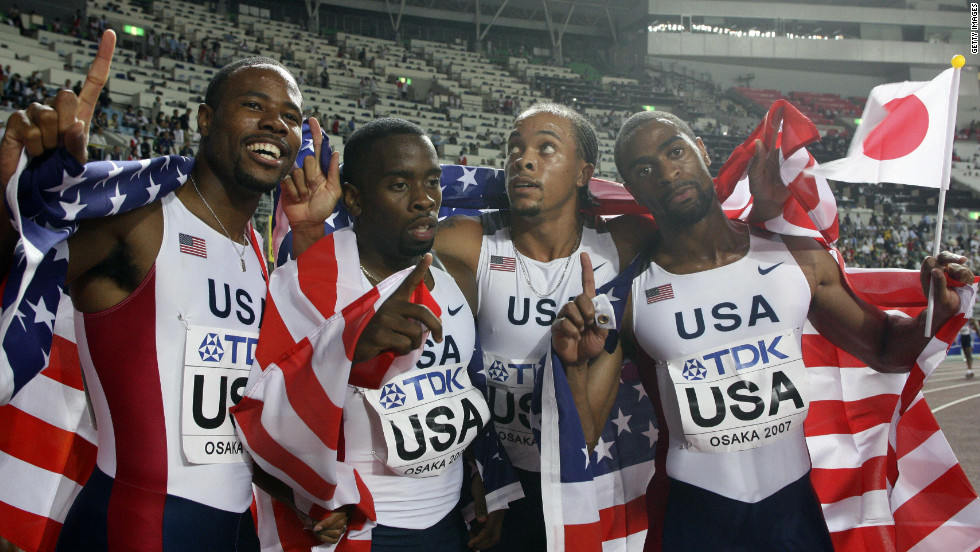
x=564, y=270
x=372, y=279
x=235, y=244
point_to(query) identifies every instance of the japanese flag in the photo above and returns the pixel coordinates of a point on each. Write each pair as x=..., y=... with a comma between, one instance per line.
x=905, y=135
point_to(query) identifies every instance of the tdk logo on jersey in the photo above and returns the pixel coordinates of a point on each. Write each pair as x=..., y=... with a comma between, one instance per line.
x=694, y=370
x=211, y=349
x=497, y=371
x=392, y=396
x=502, y=372
x=228, y=348
x=435, y=382
x=742, y=356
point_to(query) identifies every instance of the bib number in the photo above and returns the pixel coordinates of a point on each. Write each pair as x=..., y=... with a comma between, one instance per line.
x=510, y=386
x=741, y=396
x=428, y=416
x=216, y=366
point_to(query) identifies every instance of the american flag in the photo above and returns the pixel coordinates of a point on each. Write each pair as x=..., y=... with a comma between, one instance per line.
x=927, y=510
x=291, y=419
x=597, y=501
x=812, y=209
x=883, y=471
x=192, y=245
x=659, y=293
x=503, y=264
x=49, y=450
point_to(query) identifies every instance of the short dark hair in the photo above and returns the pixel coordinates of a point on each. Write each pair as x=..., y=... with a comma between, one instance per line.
x=587, y=143
x=357, y=151
x=216, y=87
x=585, y=137
x=638, y=119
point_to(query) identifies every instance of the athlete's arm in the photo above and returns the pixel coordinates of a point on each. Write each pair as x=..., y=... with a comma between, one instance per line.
x=486, y=527
x=593, y=374
x=887, y=343
x=130, y=236
x=40, y=129
x=461, y=238
x=328, y=530
x=630, y=233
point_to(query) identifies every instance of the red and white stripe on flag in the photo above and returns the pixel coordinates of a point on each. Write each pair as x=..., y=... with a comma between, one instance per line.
x=886, y=477
x=811, y=210
x=291, y=418
x=48, y=446
x=902, y=136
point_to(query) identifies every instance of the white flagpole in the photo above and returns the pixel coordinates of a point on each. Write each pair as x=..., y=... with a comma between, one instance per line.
x=954, y=93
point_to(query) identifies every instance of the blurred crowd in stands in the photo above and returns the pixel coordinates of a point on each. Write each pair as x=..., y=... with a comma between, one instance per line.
x=970, y=131
x=900, y=240
x=885, y=236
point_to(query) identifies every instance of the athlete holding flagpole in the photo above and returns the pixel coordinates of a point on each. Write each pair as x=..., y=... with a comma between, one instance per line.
x=719, y=310
x=906, y=137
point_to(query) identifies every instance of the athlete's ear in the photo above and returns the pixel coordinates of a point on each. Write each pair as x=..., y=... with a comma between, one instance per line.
x=588, y=169
x=704, y=152
x=352, y=198
x=204, y=114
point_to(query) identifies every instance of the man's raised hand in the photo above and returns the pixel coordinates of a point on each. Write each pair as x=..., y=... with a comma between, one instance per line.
x=399, y=325
x=947, y=302
x=574, y=334
x=765, y=182
x=308, y=195
x=41, y=128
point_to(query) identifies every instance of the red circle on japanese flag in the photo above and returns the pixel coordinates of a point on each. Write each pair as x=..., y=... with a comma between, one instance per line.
x=901, y=132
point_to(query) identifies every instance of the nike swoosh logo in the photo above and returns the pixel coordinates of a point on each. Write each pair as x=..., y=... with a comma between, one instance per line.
x=452, y=312
x=600, y=266
x=768, y=269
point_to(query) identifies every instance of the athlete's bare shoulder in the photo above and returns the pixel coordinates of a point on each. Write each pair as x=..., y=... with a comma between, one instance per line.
x=458, y=224
x=631, y=234
x=460, y=237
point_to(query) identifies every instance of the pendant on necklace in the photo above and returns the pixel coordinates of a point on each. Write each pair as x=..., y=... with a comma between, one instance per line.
x=243, y=264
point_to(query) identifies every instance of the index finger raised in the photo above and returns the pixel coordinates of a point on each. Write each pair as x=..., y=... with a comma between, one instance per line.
x=317, y=135
x=414, y=278
x=98, y=75
x=588, y=275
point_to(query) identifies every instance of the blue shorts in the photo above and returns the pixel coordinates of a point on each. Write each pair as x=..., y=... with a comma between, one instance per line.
x=447, y=535
x=523, y=529
x=185, y=524
x=789, y=520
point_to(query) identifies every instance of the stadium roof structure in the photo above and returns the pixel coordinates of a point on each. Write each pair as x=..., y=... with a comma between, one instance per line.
x=584, y=17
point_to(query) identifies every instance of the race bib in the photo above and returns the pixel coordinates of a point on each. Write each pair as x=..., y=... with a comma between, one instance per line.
x=743, y=395
x=510, y=386
x=428, y=416
x=216, y=366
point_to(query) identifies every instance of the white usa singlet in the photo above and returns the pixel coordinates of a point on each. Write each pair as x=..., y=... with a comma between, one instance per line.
x=163, y=367
x=729, y=369
x=515, y=322
x=418, y=501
